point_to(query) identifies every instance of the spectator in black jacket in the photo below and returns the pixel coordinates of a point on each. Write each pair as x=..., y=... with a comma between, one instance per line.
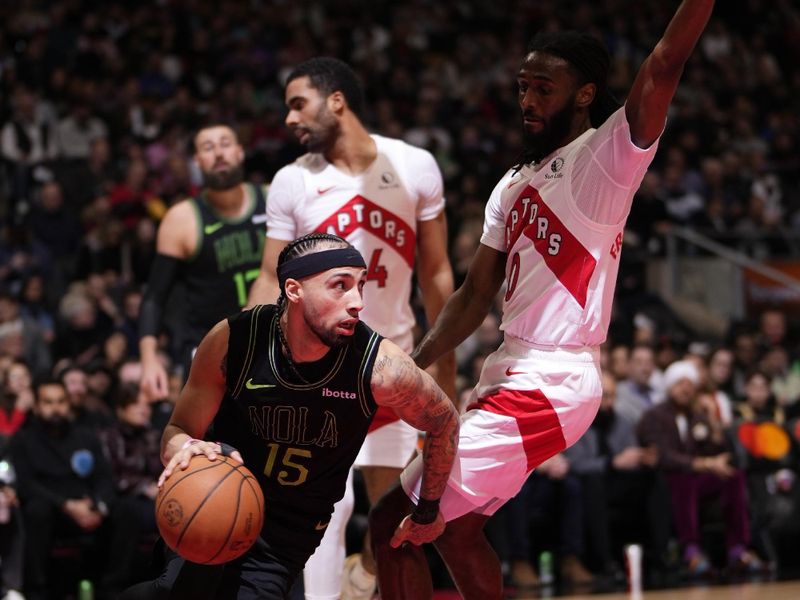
x=694, y=456
x=64, y=481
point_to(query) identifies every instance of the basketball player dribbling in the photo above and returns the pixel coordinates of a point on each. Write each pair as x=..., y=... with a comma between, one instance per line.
x=385, y=197
x=553, y=231
x=301, y=382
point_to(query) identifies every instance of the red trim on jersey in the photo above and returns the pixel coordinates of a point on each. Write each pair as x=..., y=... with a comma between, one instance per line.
x=571, y=263
x=383, y=416
x=538, y=422
x=360, y=213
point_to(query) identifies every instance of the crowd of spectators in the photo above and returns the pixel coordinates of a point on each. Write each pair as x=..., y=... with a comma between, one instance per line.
x=694, y=456
x=98, y=104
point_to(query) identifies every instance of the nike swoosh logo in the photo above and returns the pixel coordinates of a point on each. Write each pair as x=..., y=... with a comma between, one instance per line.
x=257, y=386
x=320, y=525
x=509, y=372
x=512, y=183
x=209, y=229
x=321, y=191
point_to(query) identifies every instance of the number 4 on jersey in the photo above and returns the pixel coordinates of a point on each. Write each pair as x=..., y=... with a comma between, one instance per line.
x=375, y=271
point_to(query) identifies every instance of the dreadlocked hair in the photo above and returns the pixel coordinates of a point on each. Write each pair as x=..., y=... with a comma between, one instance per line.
x=308, y=244
x=589, y=61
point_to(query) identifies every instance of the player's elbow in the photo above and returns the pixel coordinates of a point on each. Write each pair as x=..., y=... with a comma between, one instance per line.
x=476, y=300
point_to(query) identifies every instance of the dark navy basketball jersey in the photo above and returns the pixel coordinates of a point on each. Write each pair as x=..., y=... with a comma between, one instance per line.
x=225, y=264
x=299, y=439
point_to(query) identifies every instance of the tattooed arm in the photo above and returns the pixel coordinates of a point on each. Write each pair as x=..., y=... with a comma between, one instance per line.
x=413, y=394
x=197, y=405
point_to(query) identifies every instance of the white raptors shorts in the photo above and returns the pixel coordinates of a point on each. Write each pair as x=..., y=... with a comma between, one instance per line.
x=529, y=405
x=390, y=445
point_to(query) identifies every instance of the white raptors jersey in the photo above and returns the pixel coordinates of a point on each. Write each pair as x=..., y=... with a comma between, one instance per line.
x=376, y=211
x=561, y=223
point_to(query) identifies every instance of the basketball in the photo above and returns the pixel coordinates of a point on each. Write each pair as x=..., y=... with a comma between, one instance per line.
x=212, y=512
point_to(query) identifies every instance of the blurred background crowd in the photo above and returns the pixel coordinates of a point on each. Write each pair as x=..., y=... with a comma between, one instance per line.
x=98, y=105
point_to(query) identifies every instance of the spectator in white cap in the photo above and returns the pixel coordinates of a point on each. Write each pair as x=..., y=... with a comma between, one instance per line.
x=680, y=372
x=697, y=467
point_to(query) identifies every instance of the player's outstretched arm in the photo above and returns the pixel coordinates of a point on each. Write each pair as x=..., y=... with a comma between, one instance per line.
x=466, y=308
x=658, y=77
x=197, y=405
x=265, y=289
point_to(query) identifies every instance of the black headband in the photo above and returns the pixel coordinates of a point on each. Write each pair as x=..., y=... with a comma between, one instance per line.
x=311, y=264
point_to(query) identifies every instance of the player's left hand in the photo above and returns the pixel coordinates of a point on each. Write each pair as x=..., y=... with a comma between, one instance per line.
x=211, y=450
x=410, y=531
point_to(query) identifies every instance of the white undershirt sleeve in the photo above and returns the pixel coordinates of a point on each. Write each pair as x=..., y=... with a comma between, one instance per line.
x=427, y=183
x=494, y=225
x=285, y=194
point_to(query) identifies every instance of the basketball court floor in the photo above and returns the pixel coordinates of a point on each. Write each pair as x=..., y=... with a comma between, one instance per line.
x=781, y=590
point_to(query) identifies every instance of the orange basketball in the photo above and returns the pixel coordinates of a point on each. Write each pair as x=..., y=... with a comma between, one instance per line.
x=212, y=512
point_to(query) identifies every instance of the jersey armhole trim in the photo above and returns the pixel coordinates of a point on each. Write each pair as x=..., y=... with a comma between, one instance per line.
x=251, y=345
x=362, y=375
x=198, y=215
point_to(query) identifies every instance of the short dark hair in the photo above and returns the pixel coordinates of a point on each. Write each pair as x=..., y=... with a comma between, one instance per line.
x=43, y=381
x=127, y=394
x=757, y=372
x=211, y=125
x=62, y=372
x=329, y=75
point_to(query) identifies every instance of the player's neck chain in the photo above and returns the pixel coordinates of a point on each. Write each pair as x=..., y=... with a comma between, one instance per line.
x=288, y=354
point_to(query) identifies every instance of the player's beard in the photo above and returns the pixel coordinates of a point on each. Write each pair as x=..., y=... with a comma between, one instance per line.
x=329, y=338
x=555, y=131
x=224, y=180
x=324, y=134
x=56, y=425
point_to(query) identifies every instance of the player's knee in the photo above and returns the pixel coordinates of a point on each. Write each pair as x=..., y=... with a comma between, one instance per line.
x=452, y=540
x=461, y=533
